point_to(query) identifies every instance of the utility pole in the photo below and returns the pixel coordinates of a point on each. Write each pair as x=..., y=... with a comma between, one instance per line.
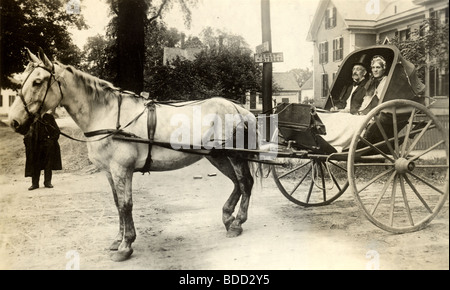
x=267, y=66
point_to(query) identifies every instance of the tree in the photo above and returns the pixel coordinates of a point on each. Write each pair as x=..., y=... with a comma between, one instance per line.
x=427, y=46
x=131, y=20
x=97, y=59
x=34, y=24
x=301, y=75
x=225, y=67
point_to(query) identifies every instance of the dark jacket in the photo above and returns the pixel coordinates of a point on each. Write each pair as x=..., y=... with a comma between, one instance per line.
x=357, y=97
x=41, y=146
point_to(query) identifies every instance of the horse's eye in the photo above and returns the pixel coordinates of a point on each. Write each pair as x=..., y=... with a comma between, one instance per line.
x=37, y=82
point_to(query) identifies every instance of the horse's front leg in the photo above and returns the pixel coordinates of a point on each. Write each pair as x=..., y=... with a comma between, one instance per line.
x=118, y=239
x=122, y=180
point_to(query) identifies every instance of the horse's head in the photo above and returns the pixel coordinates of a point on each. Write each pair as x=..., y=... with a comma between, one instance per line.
x=40, y=92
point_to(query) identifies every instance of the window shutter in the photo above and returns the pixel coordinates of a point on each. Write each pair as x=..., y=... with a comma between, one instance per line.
x=333, y=24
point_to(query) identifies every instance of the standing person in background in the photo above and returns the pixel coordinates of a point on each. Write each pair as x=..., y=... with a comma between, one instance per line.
x=42, y=151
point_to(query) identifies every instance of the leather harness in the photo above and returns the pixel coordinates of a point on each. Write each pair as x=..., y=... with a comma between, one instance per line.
x=150, y=107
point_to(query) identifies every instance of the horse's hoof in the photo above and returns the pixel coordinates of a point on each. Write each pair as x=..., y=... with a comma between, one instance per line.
x=227, y=222
x=121, y=255
x=234, y=232
x=115, y=246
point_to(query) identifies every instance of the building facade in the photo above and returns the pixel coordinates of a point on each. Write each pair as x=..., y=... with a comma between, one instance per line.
x=7, y=97
x=342, y=26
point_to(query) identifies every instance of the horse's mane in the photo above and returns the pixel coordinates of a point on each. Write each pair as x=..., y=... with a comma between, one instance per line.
x=99, y=89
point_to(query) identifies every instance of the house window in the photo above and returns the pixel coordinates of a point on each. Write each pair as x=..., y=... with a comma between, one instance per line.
x=323, y=52
x=330, y=18
x=440, y=15
x=285, y=100
x=438, y=82
x=324, y=86
x=338, y=48
x=403, y=35
x=1, y=101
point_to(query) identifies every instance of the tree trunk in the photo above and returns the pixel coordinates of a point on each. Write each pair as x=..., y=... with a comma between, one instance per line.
x=130, y=38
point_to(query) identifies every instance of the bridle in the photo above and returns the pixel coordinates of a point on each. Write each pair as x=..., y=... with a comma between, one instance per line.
x=49, y=85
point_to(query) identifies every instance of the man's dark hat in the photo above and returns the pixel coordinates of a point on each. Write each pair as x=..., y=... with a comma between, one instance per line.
x=362, y=61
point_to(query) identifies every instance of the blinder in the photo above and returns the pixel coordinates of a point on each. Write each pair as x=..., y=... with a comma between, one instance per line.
x=49, y=85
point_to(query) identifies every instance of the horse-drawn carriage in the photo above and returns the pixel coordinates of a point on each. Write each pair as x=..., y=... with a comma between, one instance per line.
x=399, y=181
x=397, y=162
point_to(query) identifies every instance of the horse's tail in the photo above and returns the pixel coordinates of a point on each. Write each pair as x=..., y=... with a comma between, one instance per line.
x=253, y=140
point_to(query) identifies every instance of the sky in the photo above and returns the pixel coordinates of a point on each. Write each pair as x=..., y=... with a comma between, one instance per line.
x=290, y=21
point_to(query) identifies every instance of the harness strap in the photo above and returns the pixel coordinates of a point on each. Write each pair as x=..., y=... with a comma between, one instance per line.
x=151, y=126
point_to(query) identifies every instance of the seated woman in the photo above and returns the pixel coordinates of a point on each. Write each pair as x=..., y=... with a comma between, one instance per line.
x=341, y=126
x=375, y=85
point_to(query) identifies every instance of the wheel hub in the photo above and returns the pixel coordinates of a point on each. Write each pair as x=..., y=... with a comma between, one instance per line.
x=403, y=165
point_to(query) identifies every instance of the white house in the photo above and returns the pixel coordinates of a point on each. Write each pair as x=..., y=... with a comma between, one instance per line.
x=6, y=100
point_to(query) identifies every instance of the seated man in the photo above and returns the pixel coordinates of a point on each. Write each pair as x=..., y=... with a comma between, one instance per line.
x=351, y=96
x=342, y=126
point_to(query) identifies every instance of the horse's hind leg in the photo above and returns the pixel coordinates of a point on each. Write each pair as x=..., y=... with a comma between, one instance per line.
x=245, y=183
x=239, y=174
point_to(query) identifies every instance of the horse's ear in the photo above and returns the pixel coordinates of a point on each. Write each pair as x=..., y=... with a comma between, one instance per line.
x=44, y=58
x=31, y=56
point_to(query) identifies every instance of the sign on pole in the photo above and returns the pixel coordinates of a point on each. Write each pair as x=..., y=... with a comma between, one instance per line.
x=265, y=47
x=269, y=57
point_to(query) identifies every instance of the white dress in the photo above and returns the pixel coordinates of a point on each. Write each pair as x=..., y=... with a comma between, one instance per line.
x=340, y=128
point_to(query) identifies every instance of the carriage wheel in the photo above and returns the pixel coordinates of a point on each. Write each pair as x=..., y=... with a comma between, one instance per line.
x=310, y=182
x=408, y=189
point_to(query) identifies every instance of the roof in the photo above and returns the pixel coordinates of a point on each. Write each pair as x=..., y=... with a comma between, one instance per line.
x=286, y=81
x=171, y=53
x=309, y=84
x=353, y=12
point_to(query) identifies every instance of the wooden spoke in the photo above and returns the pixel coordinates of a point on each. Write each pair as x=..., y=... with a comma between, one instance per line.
x=418, y=137
x=319, y=164
x=292, y=170
x=301, y=181
x=375, y=179
x=426, y=182
x=374, y=164
x=395, y=128
x=376, y=148
x=405, y=200
x=383, y=191
x=428, y=150
x=419, y=196
x=310, y=190
x=443, y=166
x=408, y=131
x=391, y=213
x=386, y=138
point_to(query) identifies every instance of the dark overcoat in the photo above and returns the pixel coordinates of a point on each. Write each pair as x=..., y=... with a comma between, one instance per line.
x=357, y=97
x=41, y=146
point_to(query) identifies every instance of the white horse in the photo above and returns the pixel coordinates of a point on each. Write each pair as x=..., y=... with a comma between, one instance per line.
x=96, y=105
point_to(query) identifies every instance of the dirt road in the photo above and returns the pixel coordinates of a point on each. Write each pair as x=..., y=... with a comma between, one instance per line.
x=178, y=223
